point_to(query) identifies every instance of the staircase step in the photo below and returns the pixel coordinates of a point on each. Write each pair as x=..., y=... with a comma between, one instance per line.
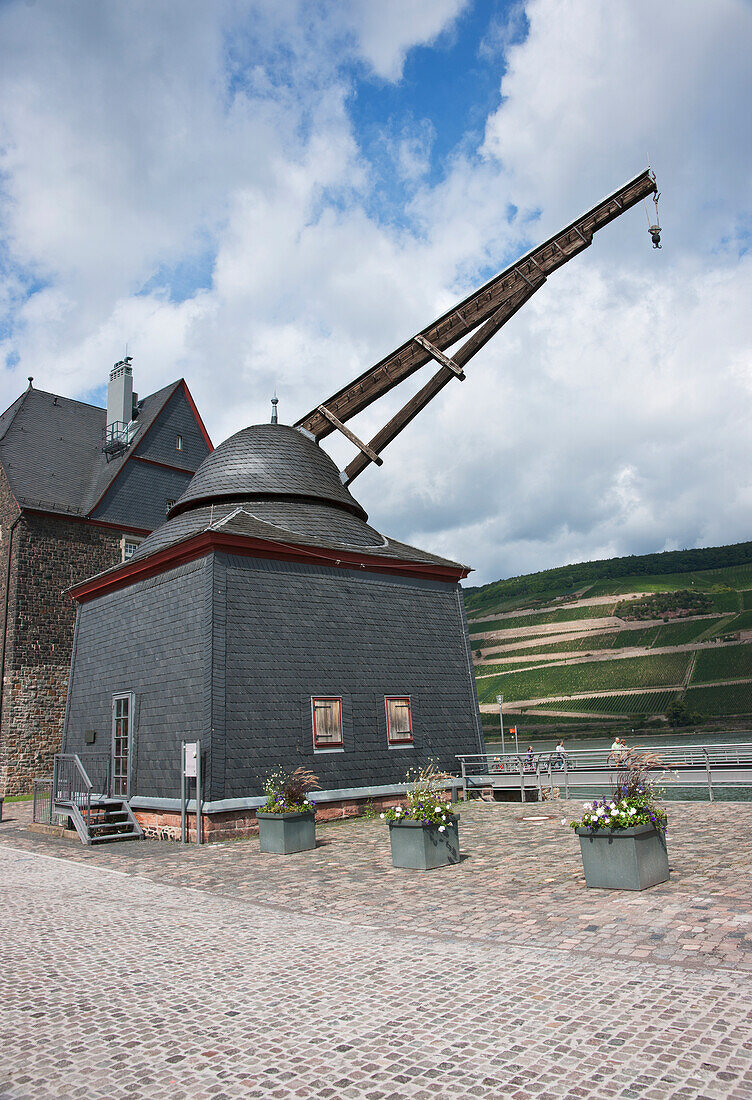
x=130, y=835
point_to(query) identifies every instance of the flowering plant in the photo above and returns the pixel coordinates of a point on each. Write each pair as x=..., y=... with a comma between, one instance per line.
x=633, y=800
x=424, y=802
x=288, y=793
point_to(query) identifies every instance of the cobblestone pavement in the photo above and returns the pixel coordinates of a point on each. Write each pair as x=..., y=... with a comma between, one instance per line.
x=149, y=970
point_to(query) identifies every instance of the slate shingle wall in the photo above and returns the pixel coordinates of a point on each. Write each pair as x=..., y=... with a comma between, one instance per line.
x=293, y=632
x=150, y=639
x=175, y=419
x=138, y=496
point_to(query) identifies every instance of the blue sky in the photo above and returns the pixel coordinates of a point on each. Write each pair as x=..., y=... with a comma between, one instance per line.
x=254, y=194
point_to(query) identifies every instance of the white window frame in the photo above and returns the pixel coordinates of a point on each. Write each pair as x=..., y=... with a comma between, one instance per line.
x=330, y=746
x=131, y=697
x=124, y=541
x=399, y=742
x=169, y=504
x=178, y=442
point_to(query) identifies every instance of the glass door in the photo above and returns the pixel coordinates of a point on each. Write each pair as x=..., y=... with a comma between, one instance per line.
x=121, y=737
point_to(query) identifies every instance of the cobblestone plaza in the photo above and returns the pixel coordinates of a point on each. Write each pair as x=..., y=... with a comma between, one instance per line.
x=150, y=970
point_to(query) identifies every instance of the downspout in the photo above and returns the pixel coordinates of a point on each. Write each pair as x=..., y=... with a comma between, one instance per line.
x=5, y=617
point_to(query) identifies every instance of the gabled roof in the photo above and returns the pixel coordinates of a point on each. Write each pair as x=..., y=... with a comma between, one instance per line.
x=51, y=449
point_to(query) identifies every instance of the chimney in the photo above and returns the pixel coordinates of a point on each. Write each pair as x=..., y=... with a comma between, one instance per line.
x=120, y=393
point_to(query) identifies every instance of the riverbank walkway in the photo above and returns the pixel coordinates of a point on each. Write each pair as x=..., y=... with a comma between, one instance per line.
x=147, y=970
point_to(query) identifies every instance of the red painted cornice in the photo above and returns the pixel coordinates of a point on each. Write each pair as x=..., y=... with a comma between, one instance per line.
x=90, y=522
x=198, y=546
x=196, y=413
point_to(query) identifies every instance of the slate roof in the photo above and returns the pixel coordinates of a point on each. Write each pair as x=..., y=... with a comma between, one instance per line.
x=267, y=461
x=274, y=483
x=298, y=523
x=51, y=449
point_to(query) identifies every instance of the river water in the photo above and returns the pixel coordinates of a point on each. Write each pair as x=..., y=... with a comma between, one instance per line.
x=672, y=792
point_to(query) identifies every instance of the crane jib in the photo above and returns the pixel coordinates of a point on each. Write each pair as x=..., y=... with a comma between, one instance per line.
x=482, y=313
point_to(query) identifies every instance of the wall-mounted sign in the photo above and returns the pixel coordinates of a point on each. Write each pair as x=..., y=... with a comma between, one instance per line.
x=190, y=754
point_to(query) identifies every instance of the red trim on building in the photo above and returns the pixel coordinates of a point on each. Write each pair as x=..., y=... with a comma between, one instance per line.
x=316, y=702
x=197, y=414
x=163, y=465
x=198, y=546
x=156, y=416
x=399, y=739
x=142, y=531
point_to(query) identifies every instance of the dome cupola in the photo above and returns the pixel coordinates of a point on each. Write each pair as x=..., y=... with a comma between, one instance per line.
x=267, y=462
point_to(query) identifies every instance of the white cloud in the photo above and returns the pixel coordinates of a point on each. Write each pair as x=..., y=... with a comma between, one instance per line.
x=610, y=415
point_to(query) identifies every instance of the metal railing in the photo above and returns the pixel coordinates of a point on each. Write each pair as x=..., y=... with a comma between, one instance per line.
x=727, y=764
x=41, y=809
x=72, y=785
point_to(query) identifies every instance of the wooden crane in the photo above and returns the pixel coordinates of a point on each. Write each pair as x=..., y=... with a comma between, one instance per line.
x=483, y=313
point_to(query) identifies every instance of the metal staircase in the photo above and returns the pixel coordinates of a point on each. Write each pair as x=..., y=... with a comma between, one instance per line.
x=96, y=817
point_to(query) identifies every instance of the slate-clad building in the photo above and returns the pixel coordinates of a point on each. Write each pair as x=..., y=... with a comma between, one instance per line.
x=268, y=619
x=80, y=488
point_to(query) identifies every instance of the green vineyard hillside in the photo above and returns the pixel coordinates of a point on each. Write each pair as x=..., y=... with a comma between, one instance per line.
x=641, y=641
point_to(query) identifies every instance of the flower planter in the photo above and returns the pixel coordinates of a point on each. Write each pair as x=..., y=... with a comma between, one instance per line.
x=624, y=859
x=283, y=834
x=422, y=847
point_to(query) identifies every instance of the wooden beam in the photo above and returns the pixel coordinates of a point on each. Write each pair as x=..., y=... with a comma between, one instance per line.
x=419, y=401
x=439, y=356
x=467, y=315
x=351, y=436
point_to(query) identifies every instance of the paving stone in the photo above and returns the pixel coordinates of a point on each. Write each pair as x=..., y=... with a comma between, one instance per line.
x=150, y=970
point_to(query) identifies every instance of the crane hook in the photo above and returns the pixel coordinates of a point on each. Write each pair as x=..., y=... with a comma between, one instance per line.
x=655, y=229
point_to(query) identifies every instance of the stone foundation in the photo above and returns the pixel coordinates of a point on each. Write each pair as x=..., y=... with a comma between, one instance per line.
x=240, y=824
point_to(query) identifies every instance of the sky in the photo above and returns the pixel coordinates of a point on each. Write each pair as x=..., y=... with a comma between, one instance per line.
x=273, y=194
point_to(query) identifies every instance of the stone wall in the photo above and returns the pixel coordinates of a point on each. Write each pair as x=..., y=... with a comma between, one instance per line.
x=49, y=555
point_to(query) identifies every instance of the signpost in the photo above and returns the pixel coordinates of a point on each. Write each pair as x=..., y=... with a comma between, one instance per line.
x=190, y=768
x=500, y=701
x=513, y=729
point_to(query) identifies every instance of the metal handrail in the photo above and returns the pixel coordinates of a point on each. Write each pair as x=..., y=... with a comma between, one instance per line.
x=71, y=784
x=549, y=763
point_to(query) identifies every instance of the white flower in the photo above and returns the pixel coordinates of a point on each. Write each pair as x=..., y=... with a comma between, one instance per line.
x=614, y=813
x=586, y=805
x=632, y=810
x=600, y=811
x=612, y=806
x=382, y=817
x=442, y=828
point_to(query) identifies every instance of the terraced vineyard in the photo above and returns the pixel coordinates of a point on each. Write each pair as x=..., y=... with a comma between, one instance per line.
x=562, y=615
x=721, y=701
x=668, y=670
x=652, y=702
x=657, y=676
x=733, y=662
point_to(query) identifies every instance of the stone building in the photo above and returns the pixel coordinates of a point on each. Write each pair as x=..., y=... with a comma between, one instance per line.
x=80, y=488
x=267, y=619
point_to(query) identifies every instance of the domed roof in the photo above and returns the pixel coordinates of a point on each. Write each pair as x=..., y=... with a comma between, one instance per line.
x=263, y=461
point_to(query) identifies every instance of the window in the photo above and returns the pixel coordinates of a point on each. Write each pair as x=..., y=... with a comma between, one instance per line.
x=399, y=723
x=122, y=710
x=129, y=547
x=178, y=442
x=327, y=723
x=168, y=505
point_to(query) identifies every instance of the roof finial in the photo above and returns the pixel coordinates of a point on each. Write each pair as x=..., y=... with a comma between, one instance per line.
x=31, y=379
x=275, y=402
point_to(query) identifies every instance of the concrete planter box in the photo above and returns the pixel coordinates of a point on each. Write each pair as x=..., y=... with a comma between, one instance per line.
x=624, y=859
x=422, y=847
x=283, y=834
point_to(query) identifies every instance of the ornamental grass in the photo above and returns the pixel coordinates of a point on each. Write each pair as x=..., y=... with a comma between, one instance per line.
x=424, y=802
x=287, y=792
x=633, y=801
